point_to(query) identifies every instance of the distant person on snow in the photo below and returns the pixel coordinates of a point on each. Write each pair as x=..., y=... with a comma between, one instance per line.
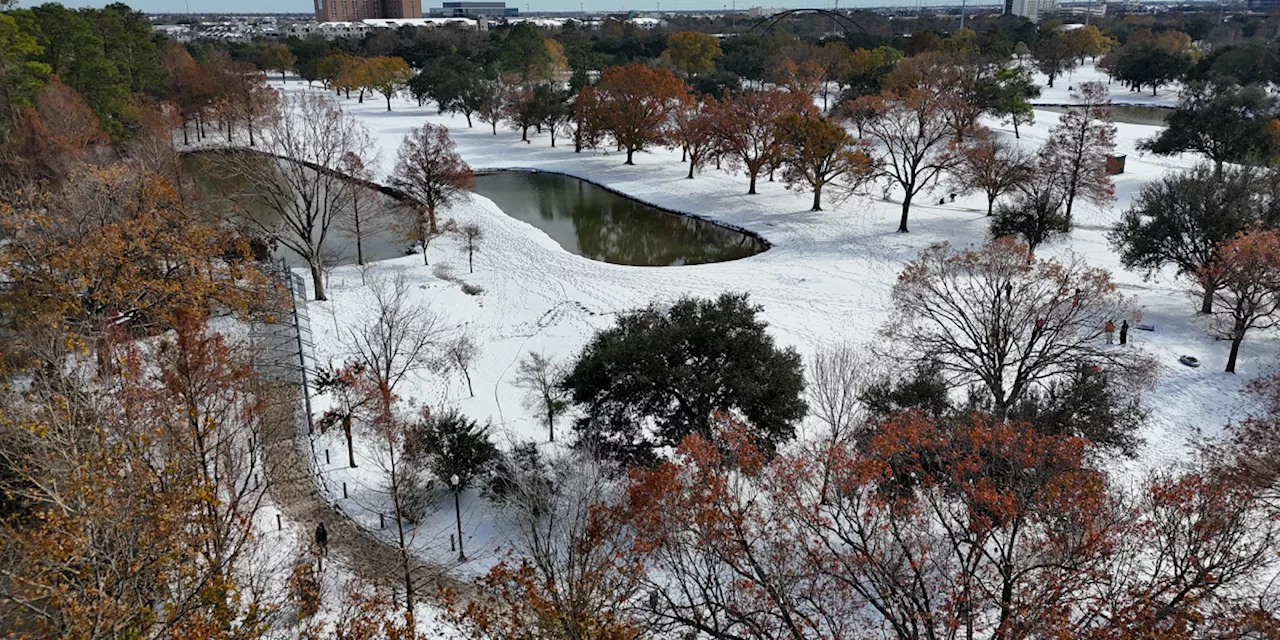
x=1110, y=330
x=1124, y=331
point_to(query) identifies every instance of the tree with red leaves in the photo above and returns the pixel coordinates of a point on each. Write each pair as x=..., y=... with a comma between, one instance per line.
x=1248, y=297
x=60, y=131
x=433, y=175
x=693, y=128
x=748, y=126
x=634, y=104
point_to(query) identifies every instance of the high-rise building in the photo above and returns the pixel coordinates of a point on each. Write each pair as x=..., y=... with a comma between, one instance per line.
x=353, y=10
x=1032, y=10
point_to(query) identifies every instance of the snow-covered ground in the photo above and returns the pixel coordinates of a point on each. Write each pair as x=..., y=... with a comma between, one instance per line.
x=1060, y=92
x=826, y=279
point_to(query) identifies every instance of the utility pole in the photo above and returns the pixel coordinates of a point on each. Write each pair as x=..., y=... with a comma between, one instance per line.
x=962, y=12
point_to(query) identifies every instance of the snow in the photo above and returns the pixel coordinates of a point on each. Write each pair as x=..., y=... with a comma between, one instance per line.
x=825, y=280
x=1060, y=92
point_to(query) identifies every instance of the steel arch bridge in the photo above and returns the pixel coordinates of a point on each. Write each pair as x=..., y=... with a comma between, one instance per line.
x=846, y=22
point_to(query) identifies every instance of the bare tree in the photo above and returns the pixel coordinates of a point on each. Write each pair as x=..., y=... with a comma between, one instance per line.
x=838, y=376
x=1079, y=144
x=304, y=191
x=998, y=318
x=432, y=174
x=574, y=577
x=363, y=215
x=470, y=235
x=396, y=338
x=912, y=132
x=462, y=352
x=540, y=378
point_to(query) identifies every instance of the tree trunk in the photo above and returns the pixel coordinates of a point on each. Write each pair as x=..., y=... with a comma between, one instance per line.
x=471, y=265
x=281, y=77
x=362, y=96
x=185, y=141
x=692, y=164
x=351, y=450
x=251, y=142
x=629, y=152
x=1016, y=135
x=1206, y=299
x=817, y=198
x=388, y=102
x=467, y=375
x=751, y=187
x=991, y=204
x=317, y=279
x=1235, y=351
x=468, y=119
x=906, y=209
x=684, y=153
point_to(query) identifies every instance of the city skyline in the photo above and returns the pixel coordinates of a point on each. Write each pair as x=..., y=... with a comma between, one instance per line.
x=306, y=6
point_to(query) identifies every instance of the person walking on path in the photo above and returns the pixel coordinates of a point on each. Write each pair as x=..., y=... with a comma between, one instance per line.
x=1110, y=330
x=1124, y=331
x=322, y=539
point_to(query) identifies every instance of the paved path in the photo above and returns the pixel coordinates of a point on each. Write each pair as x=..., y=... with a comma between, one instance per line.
x=294, y=491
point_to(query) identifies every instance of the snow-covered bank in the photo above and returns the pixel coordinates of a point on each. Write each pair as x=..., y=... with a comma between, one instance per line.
x=826, y=279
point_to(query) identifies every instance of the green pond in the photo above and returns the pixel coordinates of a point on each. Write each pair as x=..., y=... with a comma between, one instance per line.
x=593, y=222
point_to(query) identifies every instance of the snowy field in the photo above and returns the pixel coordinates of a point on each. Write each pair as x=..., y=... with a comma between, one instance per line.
x=826, y=279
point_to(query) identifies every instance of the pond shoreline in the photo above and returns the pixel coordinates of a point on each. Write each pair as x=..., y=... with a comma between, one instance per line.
x=404, y=198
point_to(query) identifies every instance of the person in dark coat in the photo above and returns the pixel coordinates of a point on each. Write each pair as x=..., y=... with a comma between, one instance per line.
x=322, y=539
x=1124, y=331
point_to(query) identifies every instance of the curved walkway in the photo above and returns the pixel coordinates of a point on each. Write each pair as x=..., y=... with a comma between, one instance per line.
x=293, y=489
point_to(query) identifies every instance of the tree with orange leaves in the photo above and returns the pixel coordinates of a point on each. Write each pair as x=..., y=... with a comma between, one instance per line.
x=747, y=124
x=919, y=530
x=635, y=104
x=803, y=79
x=116, y=246
x=818, y=152
x=142, y=484
x=1248, y=268
x=188, y=86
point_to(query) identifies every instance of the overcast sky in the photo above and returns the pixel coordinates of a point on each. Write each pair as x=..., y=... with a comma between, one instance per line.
x=305, y=6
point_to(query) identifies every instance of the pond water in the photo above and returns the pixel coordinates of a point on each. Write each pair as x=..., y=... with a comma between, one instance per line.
x=232, y=196
x=585, y=219
x=1130, y=114
x=593, y=222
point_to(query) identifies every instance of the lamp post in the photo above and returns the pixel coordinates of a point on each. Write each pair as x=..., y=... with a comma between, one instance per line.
x=462, y=557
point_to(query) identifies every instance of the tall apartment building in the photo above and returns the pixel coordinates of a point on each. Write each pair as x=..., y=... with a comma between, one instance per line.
x=1032, y=10
x=353, y=10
